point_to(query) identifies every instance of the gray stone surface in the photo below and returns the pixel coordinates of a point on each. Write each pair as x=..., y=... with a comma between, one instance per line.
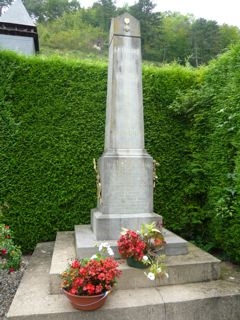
x=124, y=119
x=175, y=244
x=127, y=184
x=64, y=251
x=109, y=226
x=196, y=266
x=213, y=300
x=86, y=240
x=125, y=168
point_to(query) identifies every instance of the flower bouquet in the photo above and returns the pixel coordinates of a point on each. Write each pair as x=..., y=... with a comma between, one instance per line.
x=10, y=254
x=143, y=249
x=90, y=279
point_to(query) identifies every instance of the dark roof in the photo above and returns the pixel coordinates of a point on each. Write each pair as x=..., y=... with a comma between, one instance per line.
x=17, y=14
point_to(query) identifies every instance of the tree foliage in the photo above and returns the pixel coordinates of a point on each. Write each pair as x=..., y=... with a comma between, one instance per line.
x=175, y=38
x=149, y=22
x=205, y=37
x=166, y=36
x=104, y=11
x=71, y=33
x=44, y=10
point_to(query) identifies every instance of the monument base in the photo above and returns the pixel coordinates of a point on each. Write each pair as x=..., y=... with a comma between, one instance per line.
x=188, y=296
x=126, y=182
x=86, y=242
x=109, y=226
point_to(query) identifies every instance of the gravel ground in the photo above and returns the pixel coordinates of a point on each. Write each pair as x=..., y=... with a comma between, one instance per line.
x=8, y=286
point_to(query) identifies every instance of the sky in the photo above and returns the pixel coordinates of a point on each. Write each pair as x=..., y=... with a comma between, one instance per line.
x=222, y=11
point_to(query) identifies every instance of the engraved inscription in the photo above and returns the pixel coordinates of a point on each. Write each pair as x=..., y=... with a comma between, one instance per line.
x=128, y=186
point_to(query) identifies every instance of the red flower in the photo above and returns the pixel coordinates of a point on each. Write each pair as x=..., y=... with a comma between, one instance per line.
x=90, y=288
x=11, y=269
x=89, y=277
x=73, y=291
x=75, y=264
x=4, y=251
x=99, y=288
x=101, y=276
x=78, y=282
x=82, y=271
x=130, y=244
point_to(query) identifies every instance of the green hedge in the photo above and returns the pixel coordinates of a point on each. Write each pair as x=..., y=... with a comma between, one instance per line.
x=223, y=151
x=214, y=113
x=52, y=126
x=167, y=140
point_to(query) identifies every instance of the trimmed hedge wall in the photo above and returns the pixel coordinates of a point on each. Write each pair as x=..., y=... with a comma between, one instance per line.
x=167, y=140
x=52, y=126
x=214, y=113
x=221, y=88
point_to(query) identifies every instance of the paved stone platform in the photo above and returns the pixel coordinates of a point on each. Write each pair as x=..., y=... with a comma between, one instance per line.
x=195, y=266
x=211, y=300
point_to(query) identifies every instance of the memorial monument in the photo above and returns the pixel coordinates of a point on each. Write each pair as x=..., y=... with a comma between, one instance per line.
x=125, y=168
x=125, y=171
x=194, y=289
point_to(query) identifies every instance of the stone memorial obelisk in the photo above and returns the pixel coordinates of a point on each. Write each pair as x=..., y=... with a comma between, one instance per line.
x=125, y=170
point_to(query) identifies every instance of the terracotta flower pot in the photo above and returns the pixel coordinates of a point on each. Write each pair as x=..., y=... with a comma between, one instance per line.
x=136, y=264
x=87, y=302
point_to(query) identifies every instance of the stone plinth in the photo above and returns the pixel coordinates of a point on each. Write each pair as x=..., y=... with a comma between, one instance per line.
x=86, y=242
x=127, y=195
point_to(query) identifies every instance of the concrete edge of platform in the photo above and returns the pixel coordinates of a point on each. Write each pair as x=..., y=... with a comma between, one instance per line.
x=33, y=301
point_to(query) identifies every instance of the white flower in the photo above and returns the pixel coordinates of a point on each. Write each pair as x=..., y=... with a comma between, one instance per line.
x=103, y=245
x=159, y=269
x=151, y=276
x=110, y=251
x=94, y=256
x=145, y=258
x=167, y=275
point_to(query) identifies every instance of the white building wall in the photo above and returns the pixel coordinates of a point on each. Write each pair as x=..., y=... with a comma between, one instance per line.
x=19, y=44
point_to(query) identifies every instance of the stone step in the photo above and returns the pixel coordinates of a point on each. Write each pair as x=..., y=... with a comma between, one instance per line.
x=86, y=242
x=213, y=300
x=196, y=266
